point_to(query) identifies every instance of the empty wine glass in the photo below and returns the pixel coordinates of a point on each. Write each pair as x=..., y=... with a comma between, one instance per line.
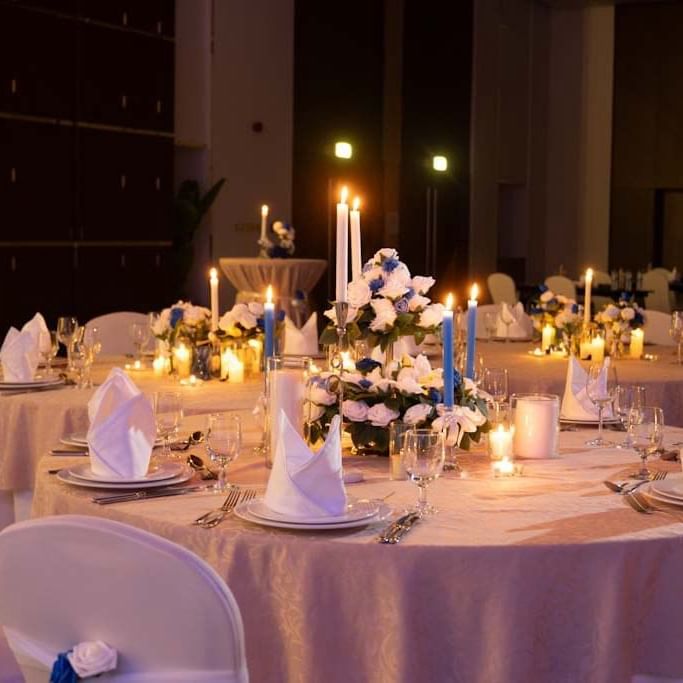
x=507, y=319
x=48, y=350
x=66, y=329
x=223, y=443
x=601, y=385
x=647, y=433
x=139, y=334
x=676, y=332
x=628, y=399
x=423, y=458
x=495, y=383
x=168, y=411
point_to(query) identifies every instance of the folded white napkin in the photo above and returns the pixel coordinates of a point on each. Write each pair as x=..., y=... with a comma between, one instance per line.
x=304, y=484
x=122, y=428
x=39, y=331
x=304, y=341
x=19, y=356
x=575, y=403
x=520, y=325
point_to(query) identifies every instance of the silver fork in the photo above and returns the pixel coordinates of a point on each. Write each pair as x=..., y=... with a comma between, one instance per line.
x=220, y=515
x=228, y=504
x=629, y=487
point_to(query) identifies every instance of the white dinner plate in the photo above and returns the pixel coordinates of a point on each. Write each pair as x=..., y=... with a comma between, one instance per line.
x=670, y=487
x=80, y=439
x=32, y=384
x=355, y=510
x=67, y=478
x=590, y=423
x=660, y=497
x=242, y=511
x=166, y=470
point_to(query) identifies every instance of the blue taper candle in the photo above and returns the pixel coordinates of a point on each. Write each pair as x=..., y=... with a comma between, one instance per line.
x=471, y=331
x=269, y=322
x=447, y=337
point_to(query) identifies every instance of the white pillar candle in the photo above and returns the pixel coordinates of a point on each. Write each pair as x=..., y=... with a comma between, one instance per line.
x=159, y=364
x=213, y=284
x=598, y=349
x=587, y=297
x=356, y=257
x=637, y=341
x=500, y=443
x=286, y=394
x=264, y=220
x=585, y=349
x=182, y=360
x=342, y=246
x=536, y=422
x=548, y=338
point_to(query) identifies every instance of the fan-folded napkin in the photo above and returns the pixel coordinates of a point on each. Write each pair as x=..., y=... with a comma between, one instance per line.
x=304, y=341
x=513, y=322
x=20, y=351
x=304, y=484
x=576, y=405
x=122, y=428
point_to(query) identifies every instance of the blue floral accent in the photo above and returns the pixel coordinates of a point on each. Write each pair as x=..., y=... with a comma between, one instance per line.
x=457, y=378
x=376, y=285
x=401, y=305
x=62, y=671
x=390, y=264
x=366, y=365
x=533, y=310
x=575, y=308
x=261, y=323
x=638, y=318
x=176, y=317
x=280, y=316
x=542, y=288
x=365, y=383
x=435, y=396
x=277, y=251
x=410, y=294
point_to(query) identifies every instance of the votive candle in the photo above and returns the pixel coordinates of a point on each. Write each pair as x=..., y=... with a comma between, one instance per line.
x=548, y=338
x=637, y=341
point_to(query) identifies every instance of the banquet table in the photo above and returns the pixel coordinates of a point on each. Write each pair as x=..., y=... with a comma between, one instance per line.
x=543, y=577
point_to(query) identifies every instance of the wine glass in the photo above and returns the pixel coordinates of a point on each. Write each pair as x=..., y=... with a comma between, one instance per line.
x=601, y=385
x=66, y=329
x=168, y=411
x=628, y=399
x=48, y=350
x=139, y=334
x=423, y=458
x=507, y=319
x=495, y=383
x=223, y=443
x=647, y=433
x=676, y=332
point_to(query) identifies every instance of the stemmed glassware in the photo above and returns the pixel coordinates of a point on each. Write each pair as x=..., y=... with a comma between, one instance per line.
x=628, y=400
x=85, y=345
x=601, y=386
x=140, y=334
x=507, y=320
x=423, y=458
x=223, y=443
x=490, y=325
x=168, y=411
x=676, y=332
x=49, y=350
x=647, y=434
x=495, y=383
x=66, y=329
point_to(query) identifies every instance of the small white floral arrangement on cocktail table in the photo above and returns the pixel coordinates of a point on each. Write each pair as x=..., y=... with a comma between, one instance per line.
x=555, y=310
x=182, y=319
x=618, y=320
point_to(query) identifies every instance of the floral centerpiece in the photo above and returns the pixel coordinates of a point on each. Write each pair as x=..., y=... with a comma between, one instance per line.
x=183, y=319
x=282, y=244
x=386, y=303
x=410, y=390
x=556, y=310
x=618, y=320
x=243, y=321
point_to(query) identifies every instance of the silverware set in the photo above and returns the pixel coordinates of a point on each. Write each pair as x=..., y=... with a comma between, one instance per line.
x=393, y=533
x=146, y=494
x=629, y=486
x=214, y=517
x=634, y=498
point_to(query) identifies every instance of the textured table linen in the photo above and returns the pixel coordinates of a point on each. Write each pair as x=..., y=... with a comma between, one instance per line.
x=546, y=578
x=32, y=423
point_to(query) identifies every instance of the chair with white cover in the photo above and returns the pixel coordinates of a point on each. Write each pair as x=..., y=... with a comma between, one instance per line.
x=658, y=299
x=668, y=274
x=70, y=579
x=656, y=328
x=113, y=329
x=560, y=284
x=502, y=288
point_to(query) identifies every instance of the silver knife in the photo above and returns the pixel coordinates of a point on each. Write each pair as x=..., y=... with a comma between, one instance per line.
x=405, y=528
x=143, y=495
x=392, y=528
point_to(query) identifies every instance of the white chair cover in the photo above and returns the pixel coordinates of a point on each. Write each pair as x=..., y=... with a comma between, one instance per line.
x=656, y=328
x=71, y=578
x=502, y=288
x=113, y=328
x=559, y=284
x=658, y=285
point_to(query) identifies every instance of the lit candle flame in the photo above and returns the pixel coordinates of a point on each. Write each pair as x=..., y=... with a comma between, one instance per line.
x=474, y=292
x=356, y=204
x=214, y=274
x=589, y=274
x=344, y=194
x=449, y=302
x=264, y=210
x=269, y=294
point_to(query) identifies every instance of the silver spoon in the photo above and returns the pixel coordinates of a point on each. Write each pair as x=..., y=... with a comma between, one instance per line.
x=197, y=464
x=194, y=438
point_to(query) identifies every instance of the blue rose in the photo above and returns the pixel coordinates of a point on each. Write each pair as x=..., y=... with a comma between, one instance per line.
x=390, y=264
x=260, y=323
x=176, y=316
x=62, y=671
x=376, y=285
x=457, y=378
x=435, y=395
x=401, y=305
x=365, y=383
x=366, y=365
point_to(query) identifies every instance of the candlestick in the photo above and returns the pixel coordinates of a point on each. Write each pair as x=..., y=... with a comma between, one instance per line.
x=447, y=336
x=213, y=284
x=264, y=220
x=587, y=296
x=637, y=341
x=548, y=338
x=471, y=331
x=342, y=246
x=269, y=322
x=356, y=257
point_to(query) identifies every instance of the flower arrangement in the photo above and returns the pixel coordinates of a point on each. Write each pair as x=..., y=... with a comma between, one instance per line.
x=386, y=303
x=183, y=319
x=617, y=320
x=283, y=244
x=245, y=321
x=556, y=310
x=410, y=391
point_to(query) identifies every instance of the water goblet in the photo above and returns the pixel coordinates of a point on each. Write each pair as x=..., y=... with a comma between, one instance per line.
x=647, y=434
x=48, y=350
x=495, y=383
x=139, y=334
x=628, y=399
x=168, y=412
x=601, y=385
x=676, y=333
x=66, y=329
x=423, y=459
x=223, y=443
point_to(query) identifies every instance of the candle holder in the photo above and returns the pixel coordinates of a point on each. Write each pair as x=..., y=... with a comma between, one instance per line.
x=450, y=423
x=337, y=357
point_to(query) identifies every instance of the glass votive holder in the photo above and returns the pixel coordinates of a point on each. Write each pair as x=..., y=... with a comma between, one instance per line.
x=535, y=418
x=397, y=433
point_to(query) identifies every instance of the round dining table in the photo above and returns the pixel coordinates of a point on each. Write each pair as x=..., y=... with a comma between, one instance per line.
x=544, y=576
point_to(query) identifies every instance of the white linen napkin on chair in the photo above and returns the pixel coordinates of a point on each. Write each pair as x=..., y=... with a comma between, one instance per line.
x=575, y=403
x=304, y=341
x=19, y=356
x=304, y=484
x=520, y=325
x=122, y=428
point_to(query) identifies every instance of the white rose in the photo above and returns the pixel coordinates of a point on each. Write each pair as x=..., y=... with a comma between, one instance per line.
x=162, y=322
x=407, y=382
x=247, y=319
x=353, y=377
x=358, y=293
x=417, y=414
x=373, y=273
x=385, y=315
x=434, y=379
x=422, y=365
x=380, y=415
x=356, y=411
x=393, y=288
x=91, y=658
x=227, y=324
x=417, y=303
x=331, y=313
x=401, y=275
x=379, y=381
x=628, y=313
x=547, y=296
x=255, y=308
x=422, y=284
x=387, y=253
x=431, y=316
x=611, y=312
x=195, y=315
x=321, y=396
x=313, y=412
x=561, y=299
